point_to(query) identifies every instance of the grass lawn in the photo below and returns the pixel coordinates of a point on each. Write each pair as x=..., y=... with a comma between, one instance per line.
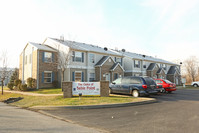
x=48, y=91
x=30, y=101
x=187, y=87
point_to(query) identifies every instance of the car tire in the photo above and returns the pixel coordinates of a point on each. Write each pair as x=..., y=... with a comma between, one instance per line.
x=135, y=93
x=169, y=92
x=195, y=85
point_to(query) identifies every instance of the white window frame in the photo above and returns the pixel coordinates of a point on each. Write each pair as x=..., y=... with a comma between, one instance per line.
x=76, y=54
x=92, y=58
x=91, y=77
x=48, y=77
x=137, y=64
x=80, y=76
x=51, y=59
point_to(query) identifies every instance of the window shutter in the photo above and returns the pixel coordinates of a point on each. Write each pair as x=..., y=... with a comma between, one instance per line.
x=121, y=61
x=42, y=56
x=82, y=76
x=73, y=76
x=52, y=57
x=73, y=55
x=134, y=63
x=82, y=57
x=53, y=76
x=42, y=77
x=115, y=59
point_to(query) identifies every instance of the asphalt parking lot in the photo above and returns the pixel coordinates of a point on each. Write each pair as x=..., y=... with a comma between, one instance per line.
x=177, y=112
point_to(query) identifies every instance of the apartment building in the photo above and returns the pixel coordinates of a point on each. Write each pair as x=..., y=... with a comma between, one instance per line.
x=39, y=62
x=88, y=63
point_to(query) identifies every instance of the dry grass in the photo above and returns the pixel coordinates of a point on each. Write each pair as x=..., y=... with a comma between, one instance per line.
x=30, y=101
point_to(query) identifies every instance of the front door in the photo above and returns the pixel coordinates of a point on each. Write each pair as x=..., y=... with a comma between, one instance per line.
x=107, y=77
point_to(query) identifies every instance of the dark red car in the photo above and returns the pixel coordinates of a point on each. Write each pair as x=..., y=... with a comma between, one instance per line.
x=166, y=84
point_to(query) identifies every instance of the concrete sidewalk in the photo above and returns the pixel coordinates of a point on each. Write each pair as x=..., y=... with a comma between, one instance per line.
x=18, y=120
x=32, y=94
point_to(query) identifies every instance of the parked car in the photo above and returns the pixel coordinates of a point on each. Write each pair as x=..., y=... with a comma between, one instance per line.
x=134, y=85
x=195, y=84
x=160, y=89
x=166, y=84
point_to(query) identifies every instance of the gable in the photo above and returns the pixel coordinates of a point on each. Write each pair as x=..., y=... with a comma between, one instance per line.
x=105, y=60
x=117, y=67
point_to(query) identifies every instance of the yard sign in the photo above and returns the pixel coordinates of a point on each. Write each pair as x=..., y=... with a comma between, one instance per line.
x=86, y=88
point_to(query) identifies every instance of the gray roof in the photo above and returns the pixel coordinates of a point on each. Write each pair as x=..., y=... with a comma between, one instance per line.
x=159, y=70
x=86, y=47
x=151, y=66
x=145, y=57
x=102, y=61
x=172, y=70
x=42, y=47
x=115, y=65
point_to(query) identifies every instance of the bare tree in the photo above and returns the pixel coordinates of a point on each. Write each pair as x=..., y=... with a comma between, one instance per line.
x=191, y=67
x=63, y=56
x=4, y=71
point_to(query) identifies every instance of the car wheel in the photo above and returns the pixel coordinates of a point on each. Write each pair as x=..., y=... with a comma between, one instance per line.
x=195, y=85
x=135, y=93
x=169, y=92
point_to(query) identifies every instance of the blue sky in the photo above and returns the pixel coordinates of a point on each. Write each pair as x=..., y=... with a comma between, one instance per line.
x=167, y=29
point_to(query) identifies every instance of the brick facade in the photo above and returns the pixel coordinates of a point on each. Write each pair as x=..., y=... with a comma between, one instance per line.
x=43, y=66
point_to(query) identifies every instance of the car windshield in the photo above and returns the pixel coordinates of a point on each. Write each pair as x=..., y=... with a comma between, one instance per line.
x=167, y=81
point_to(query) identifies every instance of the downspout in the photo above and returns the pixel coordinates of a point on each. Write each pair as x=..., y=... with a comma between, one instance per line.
x=32, y=61
x=87, y=74
x=38, y=69
x=23, y=67
x=100, y=74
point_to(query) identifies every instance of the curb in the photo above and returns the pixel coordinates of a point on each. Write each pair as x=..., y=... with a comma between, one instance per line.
x=96, y=106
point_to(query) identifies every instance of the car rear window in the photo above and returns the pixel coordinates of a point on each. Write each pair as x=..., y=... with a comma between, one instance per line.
x=149, y=81
x=158, y=81
x=167, y=81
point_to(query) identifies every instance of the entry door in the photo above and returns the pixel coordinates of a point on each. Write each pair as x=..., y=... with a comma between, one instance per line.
x=107, y=77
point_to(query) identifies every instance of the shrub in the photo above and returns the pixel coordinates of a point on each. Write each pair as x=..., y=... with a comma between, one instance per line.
x=23, y=87
x=55, y=83
x=17, y=81
x=31, y=82
x=10, y=86
x=18, y=87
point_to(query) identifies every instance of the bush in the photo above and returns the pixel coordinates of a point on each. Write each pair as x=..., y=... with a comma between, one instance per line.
x=31, y=82
x=55, y=83
x=10, y=86
x=18, y=87
x=17, y=81
x=23, y=87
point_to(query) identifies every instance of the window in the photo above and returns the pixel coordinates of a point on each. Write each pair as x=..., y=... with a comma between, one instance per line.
x=117, y=81
x=47, y=57
x=158, y=81
x=164, y=66
x=92, y=58
x=91, y=77
x=144, y=64
x=78, y=56
x=116, y=75
x=136, y=64
x=78, y=76
x=135, y=80
x=47, y=77
x=119, y=60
